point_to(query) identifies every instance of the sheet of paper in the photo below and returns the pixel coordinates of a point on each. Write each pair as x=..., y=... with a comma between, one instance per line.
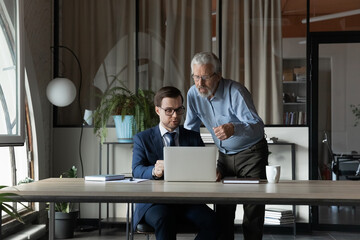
x=131, y=180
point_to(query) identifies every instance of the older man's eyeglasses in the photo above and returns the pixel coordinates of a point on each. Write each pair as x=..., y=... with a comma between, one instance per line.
x=204, y=77
x=170, y=111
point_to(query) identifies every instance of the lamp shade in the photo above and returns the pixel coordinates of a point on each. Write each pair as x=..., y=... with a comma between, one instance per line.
x=61, y=92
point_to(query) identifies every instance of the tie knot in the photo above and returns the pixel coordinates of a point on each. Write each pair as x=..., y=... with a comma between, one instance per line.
x=172, y=138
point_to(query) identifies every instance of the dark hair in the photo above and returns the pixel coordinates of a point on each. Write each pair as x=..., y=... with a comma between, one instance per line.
x=164, y=92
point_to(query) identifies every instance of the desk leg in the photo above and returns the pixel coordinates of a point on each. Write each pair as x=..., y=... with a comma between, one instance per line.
x=100, y=164
x=127, y=223
x=52, y=221
x=100, y=219
x=294, y=227
x=132, y=221
x=293, y=178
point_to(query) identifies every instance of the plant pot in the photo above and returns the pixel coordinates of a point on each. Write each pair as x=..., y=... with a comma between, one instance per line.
x=124, y=128
x=65, y=224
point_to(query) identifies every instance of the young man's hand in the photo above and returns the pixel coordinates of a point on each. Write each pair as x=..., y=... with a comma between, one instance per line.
x=159, y=168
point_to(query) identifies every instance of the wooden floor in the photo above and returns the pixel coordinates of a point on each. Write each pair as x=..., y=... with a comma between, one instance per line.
x=328, y=215
x=108, y=234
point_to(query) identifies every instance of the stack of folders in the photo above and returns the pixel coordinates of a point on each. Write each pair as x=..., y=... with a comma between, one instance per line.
x=105, y=177
x=277, y=216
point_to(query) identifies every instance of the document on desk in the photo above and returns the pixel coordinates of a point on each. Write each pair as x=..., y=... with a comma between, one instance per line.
x=240, y=180
x=131, y=180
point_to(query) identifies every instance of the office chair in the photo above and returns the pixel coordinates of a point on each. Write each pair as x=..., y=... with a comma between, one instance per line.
x=147, y=230
x=144, y=228
x=335, y=163
x=357, y=174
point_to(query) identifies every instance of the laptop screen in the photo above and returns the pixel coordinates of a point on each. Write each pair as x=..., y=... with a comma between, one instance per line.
x=190, y=163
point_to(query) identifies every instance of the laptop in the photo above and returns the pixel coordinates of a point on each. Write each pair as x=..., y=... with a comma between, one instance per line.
x=190, y=164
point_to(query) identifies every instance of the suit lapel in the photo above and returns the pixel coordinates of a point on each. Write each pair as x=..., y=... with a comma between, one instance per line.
x=182, y=137
x=156, y=139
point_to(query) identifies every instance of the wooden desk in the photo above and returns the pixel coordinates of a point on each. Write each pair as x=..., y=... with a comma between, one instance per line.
x=285, y=192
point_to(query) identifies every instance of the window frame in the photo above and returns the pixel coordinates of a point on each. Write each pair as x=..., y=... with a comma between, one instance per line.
x=19, y=139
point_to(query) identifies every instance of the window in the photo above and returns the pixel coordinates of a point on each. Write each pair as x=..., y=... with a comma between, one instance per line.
x=14, y=157
x=11, y=75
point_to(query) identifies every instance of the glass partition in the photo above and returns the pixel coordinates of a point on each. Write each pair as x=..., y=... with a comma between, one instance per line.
x=150, y=44
x=338, y=133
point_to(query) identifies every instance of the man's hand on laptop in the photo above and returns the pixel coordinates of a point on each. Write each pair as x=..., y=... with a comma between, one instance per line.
x=159, y=168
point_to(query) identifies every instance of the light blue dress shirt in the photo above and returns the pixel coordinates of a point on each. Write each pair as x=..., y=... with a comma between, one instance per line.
x=232, y=103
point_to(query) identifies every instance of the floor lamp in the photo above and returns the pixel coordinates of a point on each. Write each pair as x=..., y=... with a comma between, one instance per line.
x=61, y=92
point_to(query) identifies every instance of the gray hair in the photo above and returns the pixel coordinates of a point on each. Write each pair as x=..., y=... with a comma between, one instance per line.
x=203, y=58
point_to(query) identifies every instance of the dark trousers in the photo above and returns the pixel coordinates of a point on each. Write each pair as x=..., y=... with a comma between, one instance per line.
x=248, y=163
x=165, y=217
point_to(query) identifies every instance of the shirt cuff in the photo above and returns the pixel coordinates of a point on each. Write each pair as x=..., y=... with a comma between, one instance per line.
x=153, y=174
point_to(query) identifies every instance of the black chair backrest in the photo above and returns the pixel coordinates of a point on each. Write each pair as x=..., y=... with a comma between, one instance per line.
x=327, y=142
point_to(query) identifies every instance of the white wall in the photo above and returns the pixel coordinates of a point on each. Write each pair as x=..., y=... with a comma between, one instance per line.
x=66, y=142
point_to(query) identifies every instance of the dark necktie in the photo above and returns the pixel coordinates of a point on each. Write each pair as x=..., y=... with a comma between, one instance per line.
x=172, y=138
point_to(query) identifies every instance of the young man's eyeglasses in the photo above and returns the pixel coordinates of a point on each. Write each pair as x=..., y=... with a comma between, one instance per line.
x=204, y=77
x=170, y=111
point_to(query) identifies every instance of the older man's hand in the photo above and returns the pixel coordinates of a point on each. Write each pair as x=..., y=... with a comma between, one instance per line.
x=225, y=131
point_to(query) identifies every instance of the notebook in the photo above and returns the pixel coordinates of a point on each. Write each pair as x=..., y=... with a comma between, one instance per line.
x=104, y=177
x=196, y=164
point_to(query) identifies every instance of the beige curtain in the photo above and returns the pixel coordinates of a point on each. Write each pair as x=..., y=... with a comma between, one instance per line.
x=101, y=33
x=251, y=52
x=171, y=33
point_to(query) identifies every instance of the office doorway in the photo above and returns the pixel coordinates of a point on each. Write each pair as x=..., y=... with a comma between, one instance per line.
x=334, y=138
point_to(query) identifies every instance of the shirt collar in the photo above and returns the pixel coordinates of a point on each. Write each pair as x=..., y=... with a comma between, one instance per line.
x=220, y=90
x=163, y=130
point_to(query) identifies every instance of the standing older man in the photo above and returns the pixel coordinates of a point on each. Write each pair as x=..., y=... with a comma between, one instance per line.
x=226, y=109
x=148, y=163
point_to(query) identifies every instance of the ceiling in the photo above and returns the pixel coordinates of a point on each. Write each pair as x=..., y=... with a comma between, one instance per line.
x=318, y=7
x=293, y=11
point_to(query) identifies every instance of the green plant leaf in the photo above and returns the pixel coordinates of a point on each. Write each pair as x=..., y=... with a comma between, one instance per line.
x=119, y=100
x=7, y=208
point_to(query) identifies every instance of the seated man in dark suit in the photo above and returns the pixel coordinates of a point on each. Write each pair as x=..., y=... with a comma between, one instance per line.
x=148, y=163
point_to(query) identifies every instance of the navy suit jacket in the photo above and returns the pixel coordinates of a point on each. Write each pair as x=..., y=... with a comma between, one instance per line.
x=148, y=148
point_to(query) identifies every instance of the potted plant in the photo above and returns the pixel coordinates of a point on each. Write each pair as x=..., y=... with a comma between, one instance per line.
x=7, y=207
x=65, y=212
x=134, y=111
